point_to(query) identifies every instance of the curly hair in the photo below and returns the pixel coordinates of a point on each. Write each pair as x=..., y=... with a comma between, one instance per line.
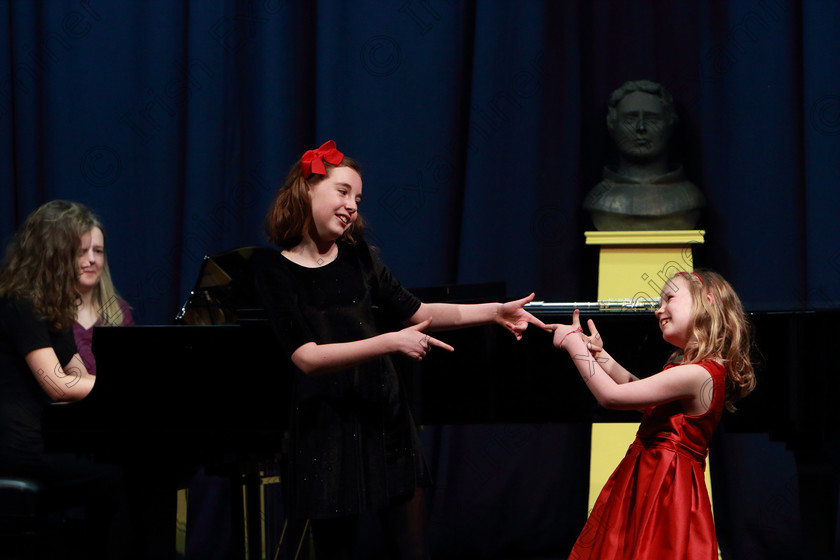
x=720, y=331
x=41, y=261
x=291, y=212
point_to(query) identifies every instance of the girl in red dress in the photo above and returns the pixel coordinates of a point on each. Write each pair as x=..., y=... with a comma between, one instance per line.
x=655, y=505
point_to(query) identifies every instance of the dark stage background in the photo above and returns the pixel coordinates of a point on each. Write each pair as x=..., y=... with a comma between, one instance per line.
x=480, y=126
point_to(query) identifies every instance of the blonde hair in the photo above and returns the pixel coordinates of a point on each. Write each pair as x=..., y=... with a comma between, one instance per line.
x=291, y=212
x=105, y=297
x=720, y=330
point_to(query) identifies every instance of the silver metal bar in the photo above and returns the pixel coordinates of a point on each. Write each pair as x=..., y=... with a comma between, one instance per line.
x=639, y=304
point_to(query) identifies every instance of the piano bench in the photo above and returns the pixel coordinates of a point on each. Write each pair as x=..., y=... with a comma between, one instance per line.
x=19, y=513
x=18, y=498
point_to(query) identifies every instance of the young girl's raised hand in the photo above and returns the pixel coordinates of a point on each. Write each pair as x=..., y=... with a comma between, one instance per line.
x=562, y=332
x=594, y=342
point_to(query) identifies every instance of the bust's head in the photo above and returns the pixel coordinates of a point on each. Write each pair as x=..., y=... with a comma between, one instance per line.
x=640, y=118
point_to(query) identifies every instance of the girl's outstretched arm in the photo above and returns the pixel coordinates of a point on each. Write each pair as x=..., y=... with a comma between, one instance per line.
x=684, y=382
x=511, y=315
x=315, y=359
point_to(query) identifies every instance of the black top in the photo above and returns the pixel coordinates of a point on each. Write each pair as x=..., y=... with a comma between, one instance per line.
x=22, y=399
x=354, y=443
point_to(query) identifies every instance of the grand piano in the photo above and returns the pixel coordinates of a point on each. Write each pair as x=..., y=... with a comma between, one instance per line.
x=207, y=392
x=218, y=395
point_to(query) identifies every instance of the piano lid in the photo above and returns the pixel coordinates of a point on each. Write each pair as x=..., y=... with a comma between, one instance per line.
x=223, y=293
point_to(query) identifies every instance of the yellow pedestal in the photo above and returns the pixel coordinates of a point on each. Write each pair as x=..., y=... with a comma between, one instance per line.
x=636, y=264
x=633, y=265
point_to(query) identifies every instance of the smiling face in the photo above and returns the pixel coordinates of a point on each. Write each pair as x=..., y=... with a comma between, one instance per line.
x=675, y=312
x=334, y=201
x=91, y=259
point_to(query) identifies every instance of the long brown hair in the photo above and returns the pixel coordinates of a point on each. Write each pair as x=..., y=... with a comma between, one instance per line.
x=291, y=212
x=42, y=260
x=720, y=331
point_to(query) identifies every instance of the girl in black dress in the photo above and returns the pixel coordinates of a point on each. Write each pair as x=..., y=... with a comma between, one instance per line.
x=354, y=443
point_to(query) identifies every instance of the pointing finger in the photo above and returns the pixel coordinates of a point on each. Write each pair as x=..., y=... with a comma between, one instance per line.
x=440, y=344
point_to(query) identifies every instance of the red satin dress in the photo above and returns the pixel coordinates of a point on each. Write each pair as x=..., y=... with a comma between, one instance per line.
x=655, y=506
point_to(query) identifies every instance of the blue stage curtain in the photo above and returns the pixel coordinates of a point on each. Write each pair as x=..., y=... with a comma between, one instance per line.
x=480, y=126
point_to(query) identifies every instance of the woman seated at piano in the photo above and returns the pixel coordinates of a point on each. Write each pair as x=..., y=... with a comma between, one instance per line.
x=99, y=302
x=39, y=365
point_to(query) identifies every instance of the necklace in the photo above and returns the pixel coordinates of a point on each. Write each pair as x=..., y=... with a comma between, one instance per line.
x=311, y=259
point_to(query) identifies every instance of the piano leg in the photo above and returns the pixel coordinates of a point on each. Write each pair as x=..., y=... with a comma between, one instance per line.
x=253, y=511
x=247, y=511
x=240, y=518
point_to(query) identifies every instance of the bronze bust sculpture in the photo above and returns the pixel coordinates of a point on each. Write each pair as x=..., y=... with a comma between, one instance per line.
x=643, y=192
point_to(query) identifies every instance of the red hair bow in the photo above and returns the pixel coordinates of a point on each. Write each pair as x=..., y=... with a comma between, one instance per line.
x=313, y=160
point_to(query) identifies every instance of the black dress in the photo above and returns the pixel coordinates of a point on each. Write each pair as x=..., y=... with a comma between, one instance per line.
x=22, y=400
x=354, y=443
x=68, y=478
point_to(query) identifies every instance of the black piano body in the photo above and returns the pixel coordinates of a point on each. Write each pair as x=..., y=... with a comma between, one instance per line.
x=183, y=389
x=170, y=400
